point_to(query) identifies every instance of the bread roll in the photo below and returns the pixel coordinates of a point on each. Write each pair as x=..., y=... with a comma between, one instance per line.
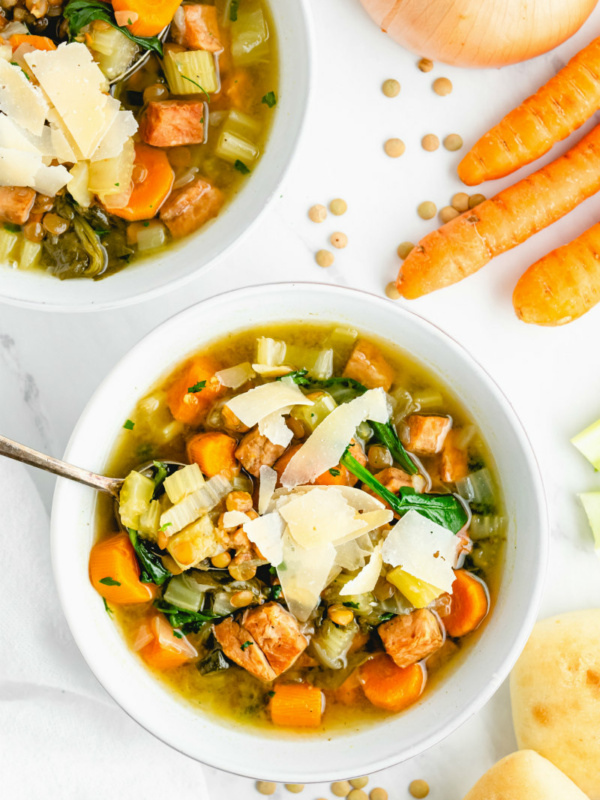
x=555, y=692
x=524, y=776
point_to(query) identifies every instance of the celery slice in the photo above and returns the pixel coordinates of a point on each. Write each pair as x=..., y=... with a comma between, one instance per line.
x=591, y=506
x=232, y=148
x=30, y=254
x=416, y=591
x=184, y=592
x=150, y=520
x=111, y=50
x=322, y=369
x=249, y=37
x=8, y=242
x=270, y=352
x=196, y=504
x=312, y=416
x=428, y=400
x=191, y=72
x=183, y=483
x=588, y=443
x=135, y=497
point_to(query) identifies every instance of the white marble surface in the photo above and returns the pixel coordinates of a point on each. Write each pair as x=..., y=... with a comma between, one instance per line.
x=51, y=364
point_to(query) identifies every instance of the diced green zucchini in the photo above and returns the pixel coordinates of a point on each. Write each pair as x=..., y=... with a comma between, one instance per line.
x=249, y=36
x=184, y=592
x=8, y=243
x=191, y=72
x=312, y=416
x=134, y=500
x=29, y=254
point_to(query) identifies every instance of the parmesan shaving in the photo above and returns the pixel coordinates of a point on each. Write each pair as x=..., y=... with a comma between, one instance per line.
x=349, y=556
x=266, y=533
x=18, y=168
x=367, y=578
x=318, y=517
x=234, y=377
x=424, y=549
x=48, y=180
x=326, y=445
x=303, y=575
x=21, y=100
x=267, y=482
x=274, y=428
x=252, y=406
x=233, y=519
x=122, y=128
x=271, y=372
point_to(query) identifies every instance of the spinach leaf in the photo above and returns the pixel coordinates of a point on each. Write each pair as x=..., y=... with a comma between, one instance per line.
x=80, y=13
x=153, y=570
x=388, y=436
x=215, y=662
x=187, y=621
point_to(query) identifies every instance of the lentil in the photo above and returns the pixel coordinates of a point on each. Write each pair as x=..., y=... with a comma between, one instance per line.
x=378, y=794
x=425, y=65
x=476, y=199
x=391, y=291
x=359, y=783
x=419, y=789
x=339, y=240
x=390, y=88
x=266, y=787
x=54, y=224
x=357, y=794
x=33, y=231
x=340, y=788
x=394, y=148
x=430, y=142
x=241, y=599
x=221, y=561
x=242, y=572
x=317, y=213
x=404, y=249
x=379, y=458
x=453, y=142
x=447, y=213
x=442, y=86
x=427, y=209
x=158, y=91
x=324, y=258
x=460, y=201
x=295, y=788
x=340, y=614
x=338, y=206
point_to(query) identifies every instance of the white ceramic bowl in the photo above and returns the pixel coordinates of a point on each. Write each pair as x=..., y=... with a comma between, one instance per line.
x=153, y=276
x=277, y=755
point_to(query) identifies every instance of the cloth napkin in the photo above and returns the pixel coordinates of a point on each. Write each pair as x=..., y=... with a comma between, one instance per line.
x=61, y=735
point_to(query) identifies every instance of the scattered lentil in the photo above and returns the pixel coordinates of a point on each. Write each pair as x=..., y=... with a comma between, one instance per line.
x=391, y=291
x=404, y=249
x=390, y=88
x=453, y=142
x=324, y=258
x=460, y=201
x=357, y=794
x=419, y=789
x=475, y=199
x=339, y=240
x=266, y=787
x=294, y=788
x=340, y=615
x=317, y=213
x=447, y=213
x=359, y=783
x=221, y=561
x=394, y=148
x=340, y=788
x=425, y=65
x=241, y=599
x=427, y=209
x=430, y=142
x=442, y=86
x=378, y=794
x=338, y=206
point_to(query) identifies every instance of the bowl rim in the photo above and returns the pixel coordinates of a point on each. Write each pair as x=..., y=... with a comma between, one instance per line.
x=538, y=575
x=90, y=305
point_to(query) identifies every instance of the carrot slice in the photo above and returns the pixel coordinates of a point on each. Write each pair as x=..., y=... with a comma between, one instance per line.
x=350, y=692
x=281, y=463
x=191, y=406
x=338, y=476
x=39, y=42
x=390, y=687
x=151, y=192
x=470, y=604
x=166, y=651
x=297, y=705
x=115, y=572
x=214, y=453
x=151, y=16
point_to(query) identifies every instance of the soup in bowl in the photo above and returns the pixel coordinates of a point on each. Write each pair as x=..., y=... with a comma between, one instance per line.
x=318, y=538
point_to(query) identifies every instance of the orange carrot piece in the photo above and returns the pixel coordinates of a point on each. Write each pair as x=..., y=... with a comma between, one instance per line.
x=151, y=192
x=115, y=572
x=391, y=687
x=297, y=705
x=557, y=109
x=282, y=462
x=166, y=651
x=39, y=42
x=213, y=451
x=338, y=476
x=151, y=16
x=563, y=285
x=191, y=407
x=350, y=693
x=469, y=606
x=468, y=242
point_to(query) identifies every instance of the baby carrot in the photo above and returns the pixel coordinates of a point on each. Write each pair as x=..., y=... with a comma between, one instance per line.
x=391, y=687
x=563, y=285
x=557, y=109
x=469, y=605
x=467, y=243
x=297, y=705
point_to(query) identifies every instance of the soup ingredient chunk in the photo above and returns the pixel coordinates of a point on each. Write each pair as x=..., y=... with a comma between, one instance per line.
x=425, y=434
x=368, y=366
x=391, y=687
x=213, y=451
x=256, y=451
x=297, y=705
x=240, y=647
x=455, y=463
x=171, y=123
x=16, y=203
x=115, y=573
x=277, y=633
x=195, y=26
x=152, y=187
x=166, y=650
x=470, y=604
x=409, y=638
x=192, y=394
x=188, y=208
x=147, y=18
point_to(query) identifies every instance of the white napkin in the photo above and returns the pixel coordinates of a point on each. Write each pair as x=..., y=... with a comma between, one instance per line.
x=61, y=735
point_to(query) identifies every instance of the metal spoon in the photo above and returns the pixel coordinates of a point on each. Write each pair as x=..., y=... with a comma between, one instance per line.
x=112, y=486
x=139, y=60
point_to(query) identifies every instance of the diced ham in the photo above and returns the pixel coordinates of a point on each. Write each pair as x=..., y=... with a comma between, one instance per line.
x=188, y=208
x=196, y=28
x=425, y=434
x=171, y=123
x=454, y=462
x=409, y=638
x=277, y=633
x=239, y=645
x=368, y=366
x=256, y=451
x=15, y=204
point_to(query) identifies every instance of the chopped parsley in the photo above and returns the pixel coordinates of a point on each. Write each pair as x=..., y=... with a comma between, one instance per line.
x=177, y=634
x=269, y=99
x=334, y=472
x=108, y=581
x=241, y=167
x=197, y=387
x=385, y=617
x=246, y=645
x=271, y=694
x=107, y=608
x=164, y=527
x=129, y=425
x=233, y=10
x=350, y=604
x=276, y=592
x=146, y=224
x=11, y=227
x=191, y=80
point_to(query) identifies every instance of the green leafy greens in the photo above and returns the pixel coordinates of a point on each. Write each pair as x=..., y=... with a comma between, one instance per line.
x=80, y=13
x=152, y=568
x=186, y=621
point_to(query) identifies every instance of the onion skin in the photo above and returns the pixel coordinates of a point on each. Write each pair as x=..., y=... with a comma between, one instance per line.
x=471, y=33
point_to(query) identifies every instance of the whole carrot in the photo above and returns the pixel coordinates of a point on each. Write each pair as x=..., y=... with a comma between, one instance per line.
x=563, y=285
x=467, y=243
x=557, y=109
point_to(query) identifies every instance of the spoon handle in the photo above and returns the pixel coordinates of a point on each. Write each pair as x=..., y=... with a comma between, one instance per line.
x=19, y=452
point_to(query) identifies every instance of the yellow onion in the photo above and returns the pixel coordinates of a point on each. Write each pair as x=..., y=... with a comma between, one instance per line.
x=479, y=33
